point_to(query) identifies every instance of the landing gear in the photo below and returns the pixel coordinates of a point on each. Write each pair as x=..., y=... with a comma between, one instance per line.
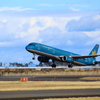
x=70, y=66
x=53, y=65
x=33, y=57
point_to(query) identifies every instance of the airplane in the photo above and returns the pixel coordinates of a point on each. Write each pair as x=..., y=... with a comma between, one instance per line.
x=47, y=53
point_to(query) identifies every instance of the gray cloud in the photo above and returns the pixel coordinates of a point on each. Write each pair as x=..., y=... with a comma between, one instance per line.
x=85, y=23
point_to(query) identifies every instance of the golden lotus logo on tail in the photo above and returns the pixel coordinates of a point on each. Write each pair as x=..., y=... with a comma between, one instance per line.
x=94, y=53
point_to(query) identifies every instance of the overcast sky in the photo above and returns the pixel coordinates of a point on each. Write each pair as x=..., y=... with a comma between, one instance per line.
x=72, y=25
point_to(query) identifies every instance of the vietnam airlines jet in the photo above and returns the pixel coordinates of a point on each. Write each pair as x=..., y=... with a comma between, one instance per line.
x=47, y=52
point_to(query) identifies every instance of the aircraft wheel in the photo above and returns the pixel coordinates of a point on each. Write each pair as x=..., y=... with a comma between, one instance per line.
x=33, y=58
x=53, y=65
x=70, y=66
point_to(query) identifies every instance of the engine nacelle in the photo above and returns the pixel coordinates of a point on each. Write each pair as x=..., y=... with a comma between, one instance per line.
x=66, y=58
x=63, y=58
x=43, y=59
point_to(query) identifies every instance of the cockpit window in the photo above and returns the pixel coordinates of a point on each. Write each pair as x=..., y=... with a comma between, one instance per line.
x=32, y=44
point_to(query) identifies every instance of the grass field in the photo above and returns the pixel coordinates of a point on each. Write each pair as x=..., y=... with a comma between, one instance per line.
x=45, y=85
x=80, y=98
x=22, y=72
x=52, y=85
x=90, y=78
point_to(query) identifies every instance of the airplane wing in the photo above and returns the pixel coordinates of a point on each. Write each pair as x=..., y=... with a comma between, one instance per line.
x=88, y=56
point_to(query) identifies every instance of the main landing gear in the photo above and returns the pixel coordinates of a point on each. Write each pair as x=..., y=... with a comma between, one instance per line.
x=53, y=65
x=70, y=66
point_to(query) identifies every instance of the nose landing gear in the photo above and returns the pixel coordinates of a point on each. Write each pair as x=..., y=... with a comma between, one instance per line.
x=53, y=65
x=34, y=56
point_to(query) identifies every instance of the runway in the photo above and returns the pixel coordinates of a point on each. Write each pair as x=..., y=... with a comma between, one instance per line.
x=39, y=94
x=47, y=78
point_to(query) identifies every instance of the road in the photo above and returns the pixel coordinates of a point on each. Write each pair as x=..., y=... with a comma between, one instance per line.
x=47, y=78
x=38, y=94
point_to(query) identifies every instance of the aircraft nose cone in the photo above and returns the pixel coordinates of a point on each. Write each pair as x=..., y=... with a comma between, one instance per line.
x=26, y=47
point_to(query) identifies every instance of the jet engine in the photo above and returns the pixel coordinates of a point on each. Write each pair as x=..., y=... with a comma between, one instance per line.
x=62, y=58
x=66, y=58
x=43, y=59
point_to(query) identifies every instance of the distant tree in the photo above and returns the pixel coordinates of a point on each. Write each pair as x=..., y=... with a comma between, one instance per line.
x=0, y=63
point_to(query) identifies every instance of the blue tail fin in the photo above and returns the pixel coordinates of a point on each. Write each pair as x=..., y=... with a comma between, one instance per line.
x=94, y=50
